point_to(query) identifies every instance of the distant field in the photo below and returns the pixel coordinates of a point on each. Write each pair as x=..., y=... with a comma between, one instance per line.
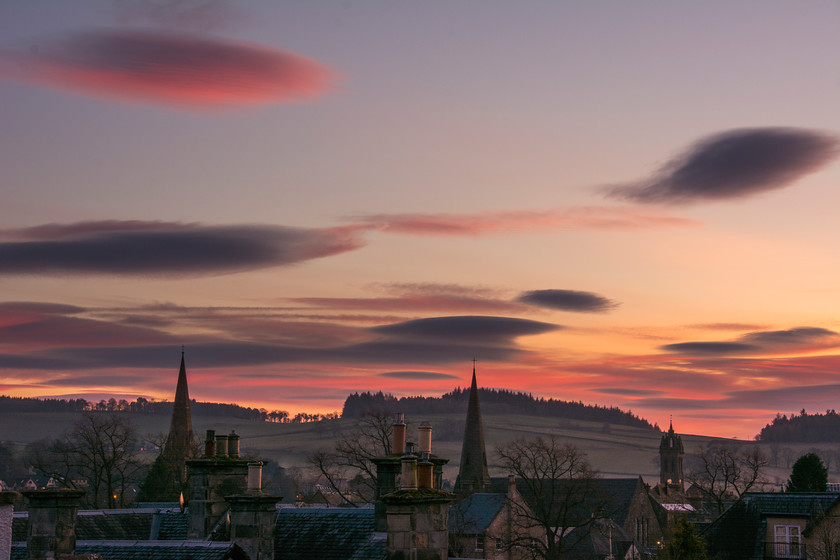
x=616, y=451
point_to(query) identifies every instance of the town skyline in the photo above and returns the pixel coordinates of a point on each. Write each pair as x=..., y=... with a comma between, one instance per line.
x=626, y=205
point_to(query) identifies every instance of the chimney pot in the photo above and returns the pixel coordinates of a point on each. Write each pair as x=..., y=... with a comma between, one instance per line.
x=399, y=435
x=425, y=431
x=221, y=446
x=408, y=475
x=210, y=444
x=233, y=445
x=255, y=477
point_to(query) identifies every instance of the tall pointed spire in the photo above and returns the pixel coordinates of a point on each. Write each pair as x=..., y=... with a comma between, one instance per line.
x=473, y=475
x=179, y=444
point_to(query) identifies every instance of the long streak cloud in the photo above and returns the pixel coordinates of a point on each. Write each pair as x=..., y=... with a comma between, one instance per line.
x=181, y=71
x=163, y=249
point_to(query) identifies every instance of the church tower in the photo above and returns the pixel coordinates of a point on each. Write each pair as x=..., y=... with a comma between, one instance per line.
x=179, y=443
x=473, y=475
x=671, y=453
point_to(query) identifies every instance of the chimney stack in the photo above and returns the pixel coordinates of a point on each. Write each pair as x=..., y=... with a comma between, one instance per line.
x=52, y=523
x=218, y=474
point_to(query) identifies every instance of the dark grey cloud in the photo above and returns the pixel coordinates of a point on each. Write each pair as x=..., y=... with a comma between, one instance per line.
x=470, y=327
x=417, y=375
x=165, y=249
x=568, y=300
x=104, y=380
x=711, y=348
x=734, y=164
x=215, y=354
x=37, y=308
x=77, y=331
x=801, y=338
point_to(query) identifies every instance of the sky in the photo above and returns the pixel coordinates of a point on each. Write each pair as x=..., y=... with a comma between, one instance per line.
x=627, y=204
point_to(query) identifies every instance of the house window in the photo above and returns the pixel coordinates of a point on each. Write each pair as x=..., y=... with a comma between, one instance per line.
x=479, y=542
x=788, y=541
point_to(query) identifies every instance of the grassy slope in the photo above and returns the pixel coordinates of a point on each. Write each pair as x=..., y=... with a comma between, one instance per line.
x=618, y=452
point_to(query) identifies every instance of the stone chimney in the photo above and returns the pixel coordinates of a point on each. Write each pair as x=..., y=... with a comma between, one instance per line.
x=252, y=517
x=417, y=515
x=52, y=523
x=213, y=477
x=387, y=470
x=7, y=500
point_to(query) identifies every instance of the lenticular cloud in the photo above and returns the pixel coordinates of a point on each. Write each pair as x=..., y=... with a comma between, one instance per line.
x=734, y=164
x=172, y=70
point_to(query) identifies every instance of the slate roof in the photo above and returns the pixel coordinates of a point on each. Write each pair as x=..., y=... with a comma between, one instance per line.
x=327, y=534
x=612, y=495
x=740, y=531
x=123, y=525
x=473, y=515
x=174, y=525
x=150, y=550
x=595, y=542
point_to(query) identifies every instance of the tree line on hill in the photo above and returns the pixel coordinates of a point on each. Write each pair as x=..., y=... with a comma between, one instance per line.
x=802, y=428
x=146, y=406
x=494, y=401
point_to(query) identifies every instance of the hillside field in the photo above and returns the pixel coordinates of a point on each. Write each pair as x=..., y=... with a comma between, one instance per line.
x=616, y=451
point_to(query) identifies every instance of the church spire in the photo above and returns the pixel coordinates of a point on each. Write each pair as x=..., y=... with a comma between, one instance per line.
x=473, y=475
x=179, y=442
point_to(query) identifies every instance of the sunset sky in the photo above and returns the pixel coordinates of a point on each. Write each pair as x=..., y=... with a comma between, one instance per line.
x=629, y=204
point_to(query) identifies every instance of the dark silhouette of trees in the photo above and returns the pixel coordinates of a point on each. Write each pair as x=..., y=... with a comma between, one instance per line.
x=804, y=427
x=724, y=472
x=495, y=401
x=809, y=474
x=99, y=454
x=560, y=502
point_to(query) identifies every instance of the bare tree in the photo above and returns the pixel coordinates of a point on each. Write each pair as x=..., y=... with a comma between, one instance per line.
x=725, y=472
x=823, y=536
x=100, y=450
x=352, y=458
x=560, y=502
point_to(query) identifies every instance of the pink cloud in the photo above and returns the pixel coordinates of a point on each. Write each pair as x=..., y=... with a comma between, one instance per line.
x=166, y=69
x=586, y=217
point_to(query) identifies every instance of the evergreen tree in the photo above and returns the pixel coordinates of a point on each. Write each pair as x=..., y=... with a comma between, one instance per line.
x=809, y=474
x=685, y=544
